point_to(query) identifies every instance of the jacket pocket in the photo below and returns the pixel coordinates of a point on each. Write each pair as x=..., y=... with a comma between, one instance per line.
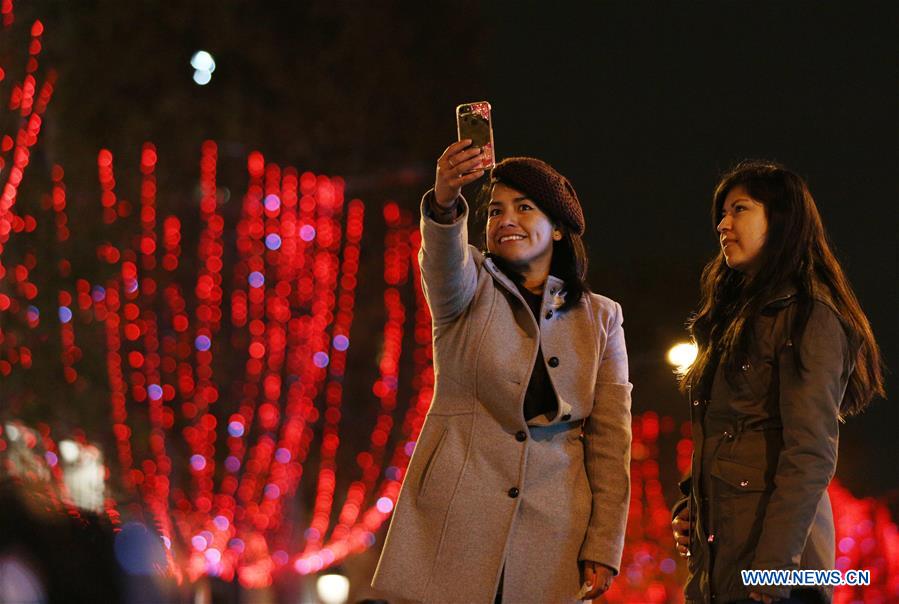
x=738, y=507
x=738, y=477
x=756, y=377
x=430, y=463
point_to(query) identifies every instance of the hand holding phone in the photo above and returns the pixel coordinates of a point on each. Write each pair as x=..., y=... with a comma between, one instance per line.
x=457, y=166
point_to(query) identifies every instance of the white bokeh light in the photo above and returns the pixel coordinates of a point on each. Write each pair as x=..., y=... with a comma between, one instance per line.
x=202, y=77
x=69, y=450
x=333, y=589
x=12, y=432
x=203, y=65
x=682, y=355
x=202, y=61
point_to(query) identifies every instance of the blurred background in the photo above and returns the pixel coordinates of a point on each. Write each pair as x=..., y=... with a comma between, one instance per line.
x=214, y=353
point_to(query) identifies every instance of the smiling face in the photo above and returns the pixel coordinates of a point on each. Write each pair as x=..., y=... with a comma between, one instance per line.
x=518, y=231
x=742, y=231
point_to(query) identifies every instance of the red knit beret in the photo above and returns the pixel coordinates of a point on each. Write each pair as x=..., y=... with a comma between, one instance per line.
x=549, y=189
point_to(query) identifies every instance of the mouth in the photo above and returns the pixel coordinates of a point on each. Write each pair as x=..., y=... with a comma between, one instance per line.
x=727, y=242
x=509, y=238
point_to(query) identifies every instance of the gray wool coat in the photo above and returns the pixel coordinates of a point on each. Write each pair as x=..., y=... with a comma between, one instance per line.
x=486, y=491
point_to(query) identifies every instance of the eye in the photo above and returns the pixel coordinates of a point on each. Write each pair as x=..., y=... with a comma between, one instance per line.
x=525, y=207
x=493, y=212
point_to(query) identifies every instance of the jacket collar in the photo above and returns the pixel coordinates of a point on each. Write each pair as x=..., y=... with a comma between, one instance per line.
x=782, y=296
x=554, y=289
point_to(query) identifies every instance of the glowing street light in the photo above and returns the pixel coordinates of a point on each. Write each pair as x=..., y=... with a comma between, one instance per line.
x=333, y=589
x=682, y=355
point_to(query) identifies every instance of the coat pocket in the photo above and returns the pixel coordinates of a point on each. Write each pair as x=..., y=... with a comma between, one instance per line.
x=756, y=378
x=738, y=478
x=738, y=508
x=430, y=463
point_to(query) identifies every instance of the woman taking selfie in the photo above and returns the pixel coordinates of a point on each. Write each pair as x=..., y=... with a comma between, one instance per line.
x=785, y=353
x=519, y=485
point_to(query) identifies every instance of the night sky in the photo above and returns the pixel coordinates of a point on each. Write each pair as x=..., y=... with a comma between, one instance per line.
x=642, y=105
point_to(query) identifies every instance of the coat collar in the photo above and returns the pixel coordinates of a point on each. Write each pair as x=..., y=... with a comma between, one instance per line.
x=782, y=296
x=553, y=292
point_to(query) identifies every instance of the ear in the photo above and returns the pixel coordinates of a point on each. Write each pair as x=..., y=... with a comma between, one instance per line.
x=557, y=234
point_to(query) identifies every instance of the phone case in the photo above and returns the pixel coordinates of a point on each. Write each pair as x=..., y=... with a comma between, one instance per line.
x=473, y=120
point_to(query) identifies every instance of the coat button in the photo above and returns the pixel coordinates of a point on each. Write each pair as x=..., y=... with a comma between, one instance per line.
x=513, y=492
x=696, y=403
x=744, y=483
x=549, y=314
x=566, y=417
x=521, y=436
x=553, y=361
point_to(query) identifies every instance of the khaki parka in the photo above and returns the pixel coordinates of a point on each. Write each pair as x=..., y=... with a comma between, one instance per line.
x=765, y=450
x=486, y=491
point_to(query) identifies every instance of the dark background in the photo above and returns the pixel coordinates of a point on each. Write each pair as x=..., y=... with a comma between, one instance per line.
x=642, y=105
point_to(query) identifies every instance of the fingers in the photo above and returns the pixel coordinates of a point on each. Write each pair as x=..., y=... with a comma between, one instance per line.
x=680, y=526
x=597, y=579
x=589, y=572
x=458, y=180
x=455, y=148
x=457, y=153
x=681, y=529
x=463, y=162
x=602, y=581
x=457, y=167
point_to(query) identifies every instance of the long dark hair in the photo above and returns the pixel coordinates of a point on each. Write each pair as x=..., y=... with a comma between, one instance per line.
x=796, y=252
x=569, y=261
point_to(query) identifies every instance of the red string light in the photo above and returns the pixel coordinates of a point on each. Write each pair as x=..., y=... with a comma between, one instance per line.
x=6, y=9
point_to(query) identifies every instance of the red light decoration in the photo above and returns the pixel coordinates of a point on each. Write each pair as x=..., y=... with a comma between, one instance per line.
x=6, y=10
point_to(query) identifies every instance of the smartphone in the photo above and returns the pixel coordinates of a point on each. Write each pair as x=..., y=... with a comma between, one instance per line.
x=473, y=121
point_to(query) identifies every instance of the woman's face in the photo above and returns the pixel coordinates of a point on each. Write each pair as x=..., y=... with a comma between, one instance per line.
x=518, y=231
x=742, y=231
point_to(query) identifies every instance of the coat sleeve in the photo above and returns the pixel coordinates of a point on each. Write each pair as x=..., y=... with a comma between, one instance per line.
x=810, y=398
x=448, y=272
x=607, y=449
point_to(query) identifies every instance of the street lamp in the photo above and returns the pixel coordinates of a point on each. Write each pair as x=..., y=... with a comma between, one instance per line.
x=682, y=355
x=333, y=589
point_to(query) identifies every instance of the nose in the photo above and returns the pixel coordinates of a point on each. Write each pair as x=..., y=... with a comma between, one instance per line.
x=724, y=225
x=507, y=219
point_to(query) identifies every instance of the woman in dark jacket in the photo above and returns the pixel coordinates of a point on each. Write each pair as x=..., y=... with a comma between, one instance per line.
x=785, y=353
